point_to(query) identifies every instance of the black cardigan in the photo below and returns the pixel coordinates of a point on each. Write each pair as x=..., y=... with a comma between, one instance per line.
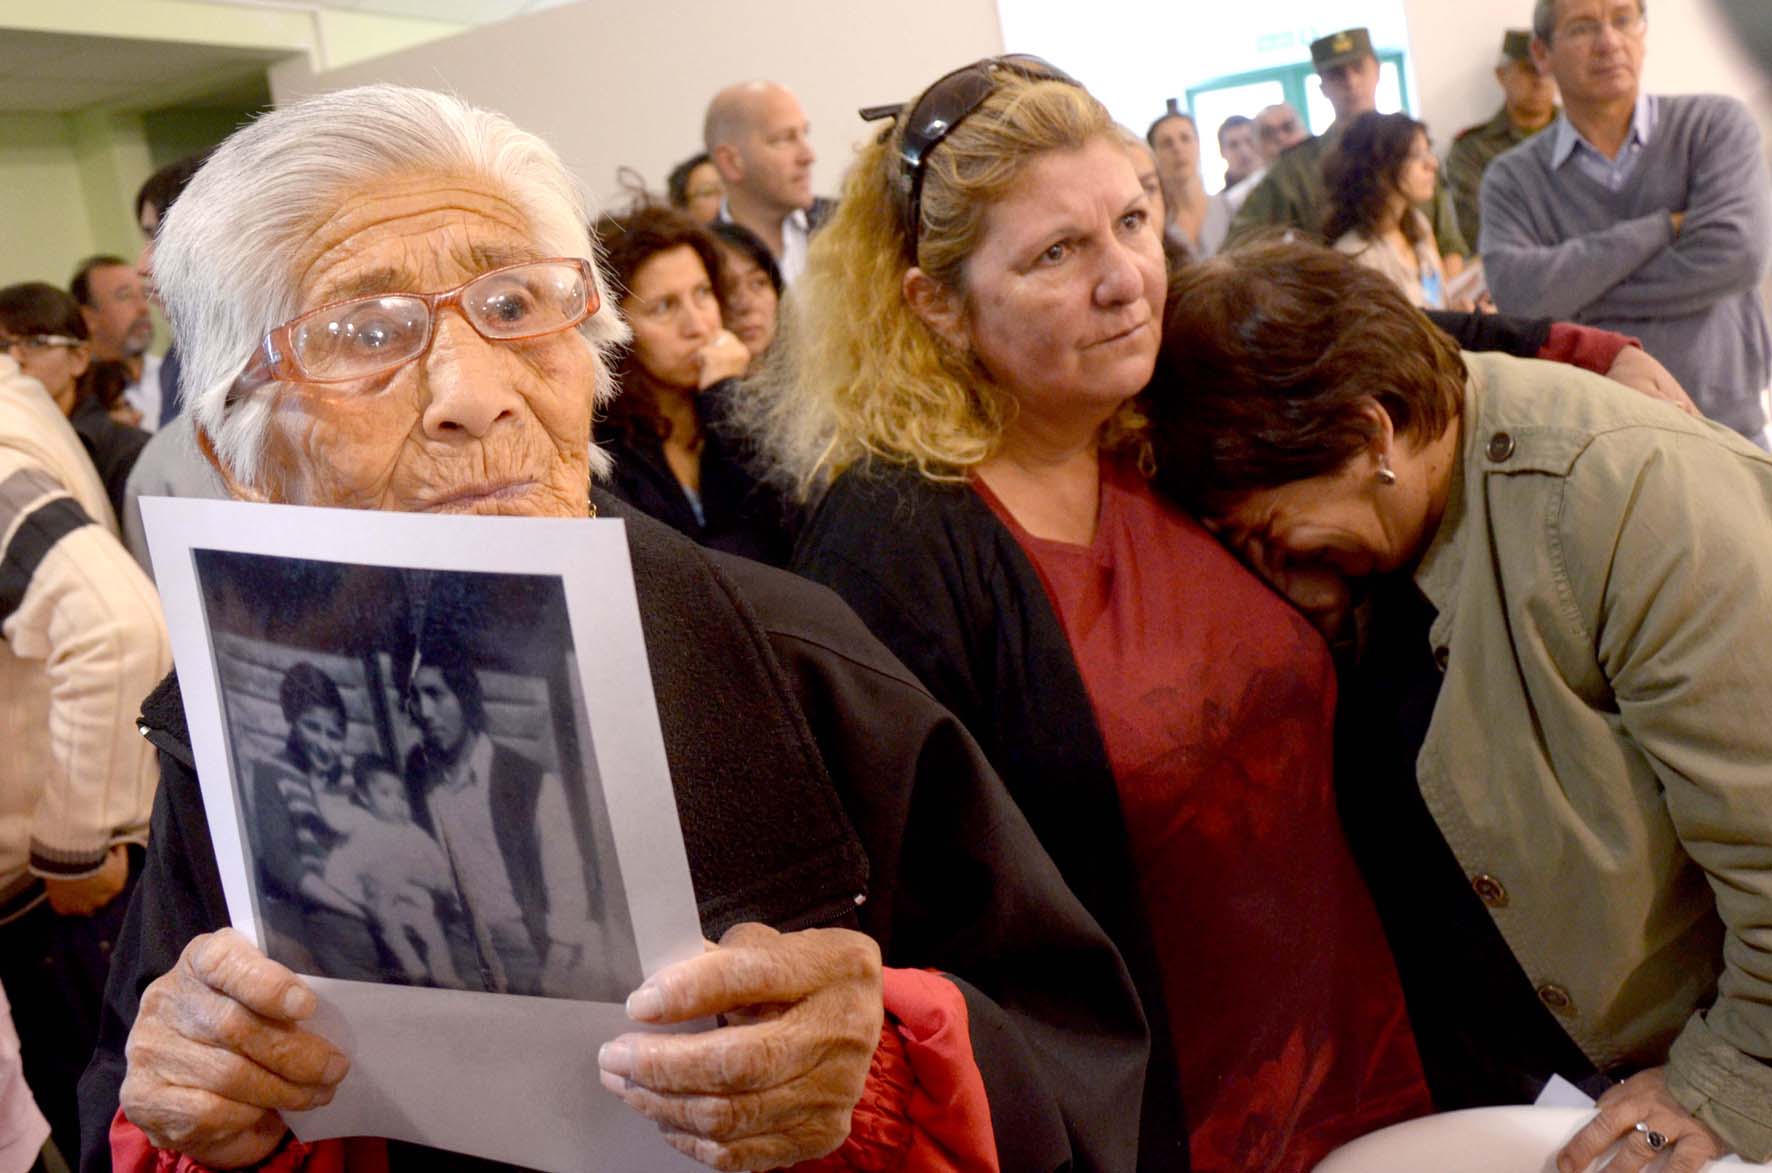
x=946, y=587
x=809, y=767
x=740, y=513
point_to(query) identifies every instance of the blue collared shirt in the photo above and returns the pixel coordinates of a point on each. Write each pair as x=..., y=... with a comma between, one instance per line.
x=1612, y=174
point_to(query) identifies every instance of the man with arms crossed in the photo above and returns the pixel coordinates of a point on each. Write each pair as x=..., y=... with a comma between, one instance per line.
x=1638, y=213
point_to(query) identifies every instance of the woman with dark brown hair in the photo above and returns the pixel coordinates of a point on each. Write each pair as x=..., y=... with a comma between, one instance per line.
x=42, y=327
x=1377, y=176
x=674, y=456
x=1553, y=731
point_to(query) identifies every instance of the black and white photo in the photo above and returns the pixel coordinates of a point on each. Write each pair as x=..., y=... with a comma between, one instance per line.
x=416, y=793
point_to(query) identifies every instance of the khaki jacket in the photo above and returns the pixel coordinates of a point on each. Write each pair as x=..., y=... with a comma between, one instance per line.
x=1600, y=759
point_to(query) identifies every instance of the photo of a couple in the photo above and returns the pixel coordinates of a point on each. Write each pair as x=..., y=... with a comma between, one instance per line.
x=415, y=783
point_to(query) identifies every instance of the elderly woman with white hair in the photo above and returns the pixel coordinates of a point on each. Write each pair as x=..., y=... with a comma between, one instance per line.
x=811, y=771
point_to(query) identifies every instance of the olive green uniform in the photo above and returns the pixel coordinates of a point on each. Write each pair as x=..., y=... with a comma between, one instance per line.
x=1471, y=152
x=1293, y=196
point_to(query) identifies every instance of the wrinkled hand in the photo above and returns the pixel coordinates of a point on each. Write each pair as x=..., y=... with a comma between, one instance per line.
x=775, y=1086
x=89, y=894
x=1642, y=1097
x=215, y=1052
x=1637, y=369
x=724, y=357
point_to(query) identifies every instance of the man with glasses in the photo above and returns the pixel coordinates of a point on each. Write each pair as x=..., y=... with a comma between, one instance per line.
x=1277, y=129
x=1293, y=196
x=114, y=301
x=1640, y=213
x=1530, y=104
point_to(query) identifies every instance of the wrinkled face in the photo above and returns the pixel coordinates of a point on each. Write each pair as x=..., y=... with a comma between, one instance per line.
x=56, y=367
x=1144, y=165
x=703, y=193
x=471, y=426
x=775, y=153
x=386, y=796
x=1277, y=128
x=437, y=711
x=1530, y=92
x=1177, y=146
x=751, y=302
x=1352, y=89
x=1064, y=293
x=1237, y=145
x=1596, y=50
x=1314, y=540
x=674, y=314
x=1415, y=178
x=319, y=734
x=118, y=318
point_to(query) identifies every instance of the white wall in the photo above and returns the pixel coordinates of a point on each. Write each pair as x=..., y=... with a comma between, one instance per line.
x=612, y=84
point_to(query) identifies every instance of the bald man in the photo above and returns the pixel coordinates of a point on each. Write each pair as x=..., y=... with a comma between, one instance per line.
x=757, y=135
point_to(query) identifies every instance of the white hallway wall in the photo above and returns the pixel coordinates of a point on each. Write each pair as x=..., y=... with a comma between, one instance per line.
x=610, y=84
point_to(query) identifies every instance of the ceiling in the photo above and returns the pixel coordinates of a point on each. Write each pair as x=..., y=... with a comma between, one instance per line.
x=61, y=73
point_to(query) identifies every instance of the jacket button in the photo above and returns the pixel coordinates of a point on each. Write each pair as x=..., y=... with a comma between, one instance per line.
x=1442, y=657
x=1489, y=890
x=1557, y=998
x=1501, y=446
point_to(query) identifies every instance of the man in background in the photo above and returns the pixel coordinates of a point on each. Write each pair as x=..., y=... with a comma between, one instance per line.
x=1244, y=168
x=1530, y=103
x=1293, y=196
x=1645, y=214
x=758, y=137
x=114, y=303
x=1236, y=143
x=1277, y=128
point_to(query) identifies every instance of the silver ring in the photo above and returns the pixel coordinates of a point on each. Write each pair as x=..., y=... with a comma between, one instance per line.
x=1655, y=1140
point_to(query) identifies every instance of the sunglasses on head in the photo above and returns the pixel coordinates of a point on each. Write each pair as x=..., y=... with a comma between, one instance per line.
x=943, y=106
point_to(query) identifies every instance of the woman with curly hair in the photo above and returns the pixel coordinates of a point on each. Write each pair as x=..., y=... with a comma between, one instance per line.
x=675, y=458
x=1377, y=178
x=963, y=355
x=1383, y=168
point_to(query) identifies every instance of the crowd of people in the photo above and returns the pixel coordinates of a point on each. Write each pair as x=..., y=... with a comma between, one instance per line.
x=1122, y=587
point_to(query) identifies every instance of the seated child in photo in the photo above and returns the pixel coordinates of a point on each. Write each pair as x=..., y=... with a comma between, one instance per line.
x=392, y=868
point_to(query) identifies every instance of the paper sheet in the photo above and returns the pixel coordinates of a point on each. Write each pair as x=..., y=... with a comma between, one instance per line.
x=501, y=1075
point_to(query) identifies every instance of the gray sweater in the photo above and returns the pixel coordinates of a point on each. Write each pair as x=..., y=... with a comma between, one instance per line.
x=1557, y=244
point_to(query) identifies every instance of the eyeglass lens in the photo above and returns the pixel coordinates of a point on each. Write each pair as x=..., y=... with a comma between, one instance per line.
x=373, y=334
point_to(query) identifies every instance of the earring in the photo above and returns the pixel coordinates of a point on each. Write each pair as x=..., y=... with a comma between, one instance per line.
x=1385, y=475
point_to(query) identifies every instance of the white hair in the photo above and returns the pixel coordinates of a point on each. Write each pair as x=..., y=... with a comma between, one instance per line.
x=224, y=254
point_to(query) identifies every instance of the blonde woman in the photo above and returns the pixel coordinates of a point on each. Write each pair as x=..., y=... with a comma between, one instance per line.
x=962, y=359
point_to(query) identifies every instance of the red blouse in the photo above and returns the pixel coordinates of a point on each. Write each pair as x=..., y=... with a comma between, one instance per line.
x=1216, y=702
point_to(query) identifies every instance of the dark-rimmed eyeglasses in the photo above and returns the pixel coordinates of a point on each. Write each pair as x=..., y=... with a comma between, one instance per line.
x=362, y=337
x=38, y=342
x=944, y=106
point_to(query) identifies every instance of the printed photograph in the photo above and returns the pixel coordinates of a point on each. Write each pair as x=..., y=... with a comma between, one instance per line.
x=415, y=779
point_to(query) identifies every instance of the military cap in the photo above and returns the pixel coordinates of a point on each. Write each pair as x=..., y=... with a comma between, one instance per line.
x=1341, y=48
x=1516, y=45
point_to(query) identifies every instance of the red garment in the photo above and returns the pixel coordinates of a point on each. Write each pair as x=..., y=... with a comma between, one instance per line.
x=1586, y=347
x=1216, y=703
x=923, y=1109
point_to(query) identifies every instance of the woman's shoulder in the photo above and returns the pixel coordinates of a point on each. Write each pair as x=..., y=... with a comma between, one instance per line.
x=1353, y=242
x=881, y=512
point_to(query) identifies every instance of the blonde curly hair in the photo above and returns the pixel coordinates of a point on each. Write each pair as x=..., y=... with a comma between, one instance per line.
x=855, y=373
